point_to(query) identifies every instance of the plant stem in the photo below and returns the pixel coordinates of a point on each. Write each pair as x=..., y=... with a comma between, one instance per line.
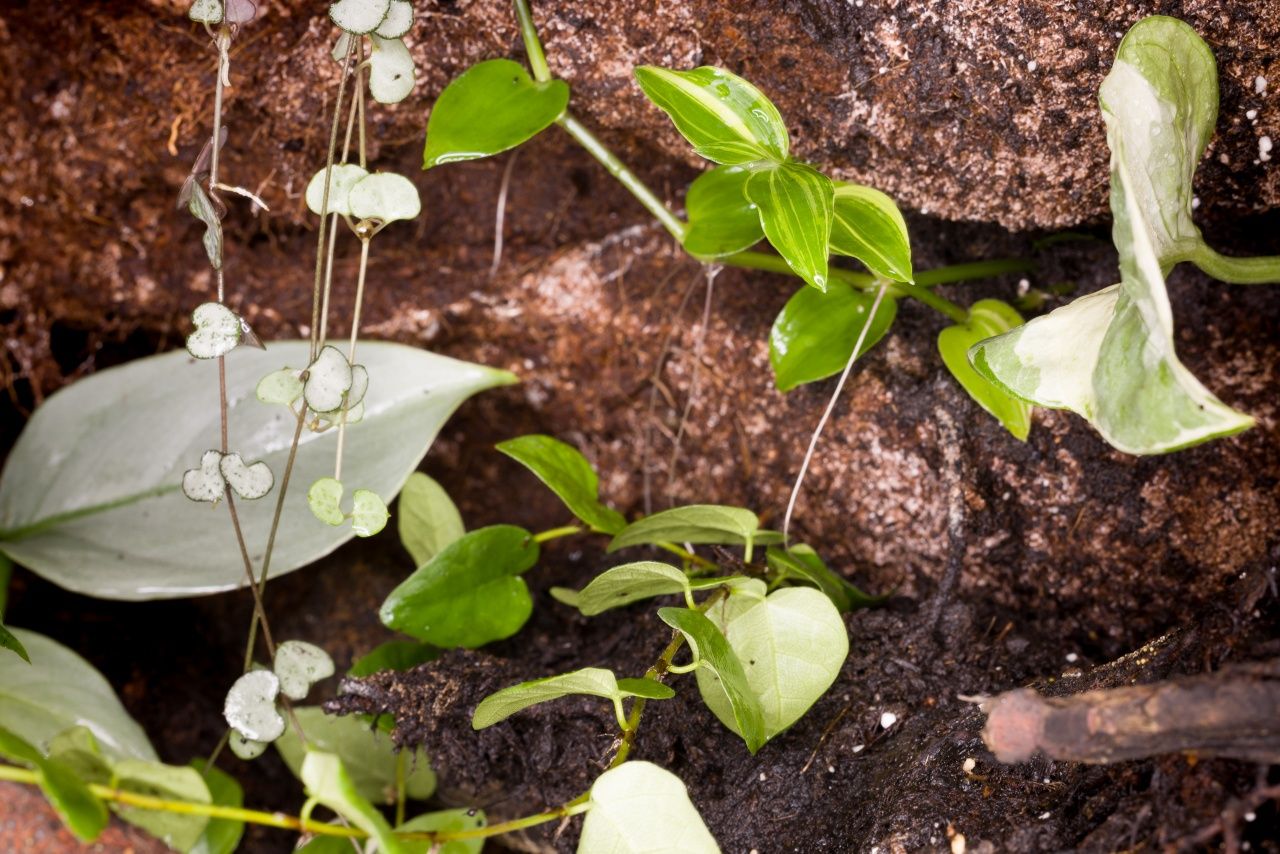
x=351, y=353
x=556, y=533
x=532, y=46
x=972, y=270
x=1260, y=270
x=324, y=205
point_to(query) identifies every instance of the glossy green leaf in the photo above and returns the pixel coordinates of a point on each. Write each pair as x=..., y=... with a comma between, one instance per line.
x=83, y=813
x=802, y=564
x=324, y=497
x=445, y=820
x=170, y=782
x=9, y=641
x=78, y=749
x=629, y=583
x=797, y=207
x=591, y=681
x=868, y=226
x=393, y=655
x=696, y=523
x=489, y=108
x=987, y=318
x=391, y=70
x=721, y=219
x=567, y=473
x=368, y=754
x=814, y=334
x=733, y=696
x=344, y=178
x=427, y=518
x=1110, y=356
x=469, y=594
x=90, y=496
x=359, y=16
x=221, y=835
x=59, y=690
x=639, y=808
x=725, y=118
x=792, y=646
x=328, y=783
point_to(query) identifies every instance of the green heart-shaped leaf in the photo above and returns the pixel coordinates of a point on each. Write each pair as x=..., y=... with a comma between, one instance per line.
x=470, y=593
x=712, y=653
x=250, y=482
x=868, y=226
x=391, y=70
x=489, y=108
x=813, y=336
x=639, y=808
x=725, y=118
x=359, y=16
x=987, y=318
x=428, y=519
x=796, y=205
x=384, y=196
x=250, y=707
x=324, y=498
x=398, y=22
x=722, y=220
x=368, y=513
x=299, y=665
x=567, y=473
x=344, y=177
x=217, y=331
x=280, y=387
x=205, y=483
x=328, y=380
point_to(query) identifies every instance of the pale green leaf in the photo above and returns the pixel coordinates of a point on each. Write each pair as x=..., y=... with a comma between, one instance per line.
x=868, y=226
x=727, y=694
x=324, y=497
x=591, y=681
x=696, y=523
x=491, y=107
x=368, y=754
x=100, y=463
x=721, y=219
x=796, y=205
x=280, y=387
x=328, y=782
x=792, y=646
x=359, y=16
x=801, y=563
x=629, y=583
x=987, y=318
x=345, y=176
x=427, y=518
x=60, y=690
x=469, y=594
x=813, y=336
x=725, y=118
x=384, y=196
x=368, y=513
x=78, y=749
x=391, y=72
x=169, y=782
x=568, y=474
x=639, y=808
x=445, y=820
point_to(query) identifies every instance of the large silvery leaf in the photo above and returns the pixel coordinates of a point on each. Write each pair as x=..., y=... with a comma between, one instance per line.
x=91, y=499
x=796, y=205
x=639, y=808
x=791, y=646
x=1110, y=356
x=724, y=117
x=59, y=690
x=490, y=107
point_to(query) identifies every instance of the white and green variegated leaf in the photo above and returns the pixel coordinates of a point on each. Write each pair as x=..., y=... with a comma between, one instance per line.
x=1110, y=356
x=639, y=808
x=796, y=204
x=725, y=118
x=868, y=226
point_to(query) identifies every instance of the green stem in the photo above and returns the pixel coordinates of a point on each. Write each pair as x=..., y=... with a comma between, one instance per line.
x=556, y=533
x=973, y=270
x=532, y=45
x=1260, y=270
x=625, y=176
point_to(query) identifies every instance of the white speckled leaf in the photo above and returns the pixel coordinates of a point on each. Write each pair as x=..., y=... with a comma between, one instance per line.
x=391, y=71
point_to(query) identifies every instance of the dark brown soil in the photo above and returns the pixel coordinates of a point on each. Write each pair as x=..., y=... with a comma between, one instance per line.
x=1066, y=547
